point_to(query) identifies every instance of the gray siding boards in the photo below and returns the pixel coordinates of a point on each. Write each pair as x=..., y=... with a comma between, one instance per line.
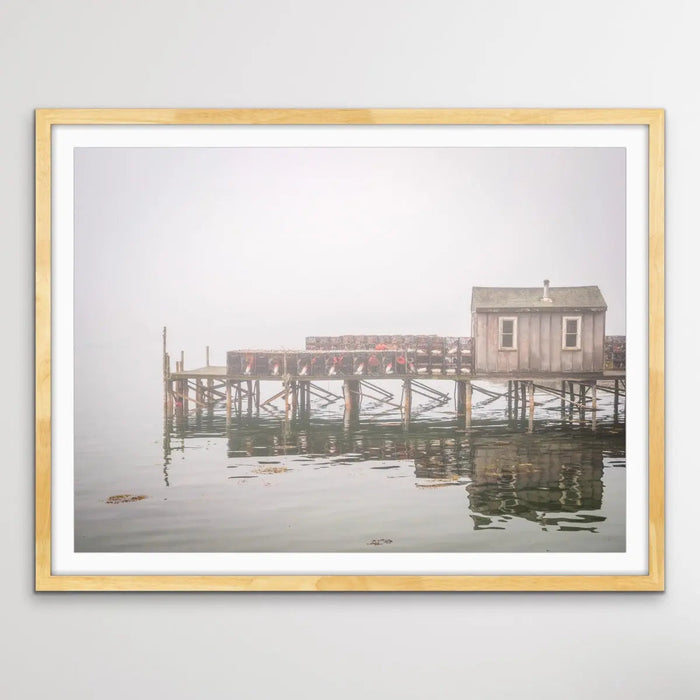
x=540, y=314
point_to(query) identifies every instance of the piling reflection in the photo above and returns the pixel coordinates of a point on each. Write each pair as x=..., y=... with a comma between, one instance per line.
x=553, y=478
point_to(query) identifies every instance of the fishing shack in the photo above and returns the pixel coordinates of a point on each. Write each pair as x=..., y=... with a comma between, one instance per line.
x=518, y=330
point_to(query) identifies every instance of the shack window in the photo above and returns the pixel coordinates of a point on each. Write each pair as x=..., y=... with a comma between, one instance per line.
x=571, y=333
x=507, y=333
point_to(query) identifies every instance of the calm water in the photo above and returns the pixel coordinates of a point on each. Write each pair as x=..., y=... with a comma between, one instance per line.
x=317, y=486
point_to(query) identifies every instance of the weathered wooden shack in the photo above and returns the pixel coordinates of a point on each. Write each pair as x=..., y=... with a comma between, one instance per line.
x=518, y=330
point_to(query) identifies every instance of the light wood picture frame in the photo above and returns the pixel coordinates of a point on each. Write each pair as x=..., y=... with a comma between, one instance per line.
x=48, y=580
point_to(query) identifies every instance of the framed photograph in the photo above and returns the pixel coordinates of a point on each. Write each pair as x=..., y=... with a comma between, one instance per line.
x=350, y=350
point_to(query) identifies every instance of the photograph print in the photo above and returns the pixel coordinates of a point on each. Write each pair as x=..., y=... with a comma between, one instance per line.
x=370, y=350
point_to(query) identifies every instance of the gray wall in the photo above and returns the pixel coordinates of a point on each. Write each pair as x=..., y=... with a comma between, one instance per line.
x=158, y=53
x=539, y=344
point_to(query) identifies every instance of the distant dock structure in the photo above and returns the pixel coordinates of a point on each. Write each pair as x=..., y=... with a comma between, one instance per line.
x=529, y=339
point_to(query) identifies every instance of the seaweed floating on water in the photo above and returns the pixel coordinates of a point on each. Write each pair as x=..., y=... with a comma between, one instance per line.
x=271, y=470
x=124, y=498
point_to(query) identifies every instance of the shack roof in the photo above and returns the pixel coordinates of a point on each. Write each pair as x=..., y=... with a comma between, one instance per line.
x=530, y=298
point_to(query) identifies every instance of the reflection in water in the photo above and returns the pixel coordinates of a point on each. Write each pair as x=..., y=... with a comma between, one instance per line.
x=553, y=478
x=531, y=479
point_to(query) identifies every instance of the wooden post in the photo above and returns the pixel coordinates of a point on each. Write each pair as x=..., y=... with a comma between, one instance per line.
x=286, y=400
x=295, y=399
x=468, y=404
x=572, y=399
x=351, y=390
x=239, y=400
x=306, y=402
x=594, y=404
x=461, y=399
x=531, y=417
x=184, y=387
x=249, y=386
x=178, y=389
x=198, y=394
x=210, y=397
x=563, y=399
x=257, y=397
x=169, y=388
x=616, y=400
x=165, y=372
x=407, y=403
x=510, y=399
x=304, y=395
x=582, y=401
x=522, y=399
x=516, y=395
x=228, y=402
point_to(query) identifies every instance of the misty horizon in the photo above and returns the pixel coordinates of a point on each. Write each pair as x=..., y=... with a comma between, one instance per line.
x=261, y=247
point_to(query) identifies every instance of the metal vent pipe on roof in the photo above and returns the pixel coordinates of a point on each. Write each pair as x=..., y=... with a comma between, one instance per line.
x=545, y=292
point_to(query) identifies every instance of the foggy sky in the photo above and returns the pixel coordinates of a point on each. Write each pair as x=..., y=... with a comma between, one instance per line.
x=259, y=247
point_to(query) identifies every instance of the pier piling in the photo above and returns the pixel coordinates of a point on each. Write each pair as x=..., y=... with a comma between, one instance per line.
x=198, y=396
x=166, y=378
x=351, y=391
x=407, y=398
x=572, y=400
x=287, y=400
x=467, y=404
x=594, y=404
x=461, y=400
x=295, y=400
x=563, y=400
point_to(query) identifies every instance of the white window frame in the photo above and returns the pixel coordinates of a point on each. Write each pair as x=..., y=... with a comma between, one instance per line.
x=514, y=319
x=579, y=324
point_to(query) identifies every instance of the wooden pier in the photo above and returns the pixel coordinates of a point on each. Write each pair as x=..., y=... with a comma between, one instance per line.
x=236, y=386
x=545, y=339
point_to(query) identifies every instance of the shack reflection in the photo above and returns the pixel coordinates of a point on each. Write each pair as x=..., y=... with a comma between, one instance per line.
x=536, y=480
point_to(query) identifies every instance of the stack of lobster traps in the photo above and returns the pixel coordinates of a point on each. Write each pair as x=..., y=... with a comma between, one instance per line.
x=355, y=356
x=615, y=351
x=430, y=355
x=257, y=363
